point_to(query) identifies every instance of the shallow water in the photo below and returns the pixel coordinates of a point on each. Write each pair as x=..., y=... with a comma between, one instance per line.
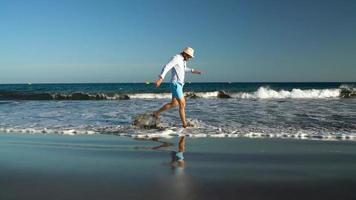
x=284, y=110
x=327, y=118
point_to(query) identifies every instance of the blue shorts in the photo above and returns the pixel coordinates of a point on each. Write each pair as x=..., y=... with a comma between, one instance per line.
x=177, y=90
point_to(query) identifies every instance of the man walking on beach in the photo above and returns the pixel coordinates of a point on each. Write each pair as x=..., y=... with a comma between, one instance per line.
x=178, y=65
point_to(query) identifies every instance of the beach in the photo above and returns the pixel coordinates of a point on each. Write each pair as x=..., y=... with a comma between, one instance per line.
x=175, y=100
x=48, y=166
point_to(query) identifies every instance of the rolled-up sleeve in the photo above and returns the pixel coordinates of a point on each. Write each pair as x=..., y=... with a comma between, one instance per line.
x=168, y=67
x=187, y=69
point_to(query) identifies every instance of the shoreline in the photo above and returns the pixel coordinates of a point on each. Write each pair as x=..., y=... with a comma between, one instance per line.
x=262, y=136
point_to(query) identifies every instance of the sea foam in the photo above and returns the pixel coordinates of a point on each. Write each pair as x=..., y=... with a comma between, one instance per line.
x=267, y=93
x=261, y=93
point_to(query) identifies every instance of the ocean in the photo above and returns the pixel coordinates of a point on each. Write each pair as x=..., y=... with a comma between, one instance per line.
x=320, y=111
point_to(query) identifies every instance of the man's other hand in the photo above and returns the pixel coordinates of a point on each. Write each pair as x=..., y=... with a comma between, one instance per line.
x=158, y=82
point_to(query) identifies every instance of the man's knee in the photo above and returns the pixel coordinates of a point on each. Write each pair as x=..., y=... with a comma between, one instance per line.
x=181, y=104
x=174, y=103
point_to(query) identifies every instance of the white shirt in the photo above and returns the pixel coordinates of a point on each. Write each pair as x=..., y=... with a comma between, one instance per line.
x=178, y=66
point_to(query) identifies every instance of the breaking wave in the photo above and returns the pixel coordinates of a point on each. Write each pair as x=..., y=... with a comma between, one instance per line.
x=344, y=91
x=266, y=93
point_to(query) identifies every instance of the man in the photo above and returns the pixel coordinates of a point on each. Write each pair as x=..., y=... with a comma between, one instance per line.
x=178, y=65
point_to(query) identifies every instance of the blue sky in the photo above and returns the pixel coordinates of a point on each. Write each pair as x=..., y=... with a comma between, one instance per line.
x=129, y=41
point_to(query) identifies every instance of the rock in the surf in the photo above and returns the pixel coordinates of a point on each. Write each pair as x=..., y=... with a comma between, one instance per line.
x=123, y=97
x=223, y=95
x=348, y=93
x=80, y=96
x=191, y=95
x=146, y=121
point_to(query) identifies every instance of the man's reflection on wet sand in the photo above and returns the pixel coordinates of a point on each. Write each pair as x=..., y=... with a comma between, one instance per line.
x=177, y=158
x=180, y=184
x=163, y=144
x=177, y=162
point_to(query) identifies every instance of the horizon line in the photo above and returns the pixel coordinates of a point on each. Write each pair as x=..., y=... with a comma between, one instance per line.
x=189, y=82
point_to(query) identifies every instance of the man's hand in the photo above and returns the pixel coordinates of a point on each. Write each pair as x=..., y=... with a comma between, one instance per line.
x=196, y=72
x=158, y=82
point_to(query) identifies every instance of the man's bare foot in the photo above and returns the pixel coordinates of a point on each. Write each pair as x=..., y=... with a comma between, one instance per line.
x=185, y=125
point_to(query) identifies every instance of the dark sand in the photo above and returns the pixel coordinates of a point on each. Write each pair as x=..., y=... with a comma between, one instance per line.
x=111, y=167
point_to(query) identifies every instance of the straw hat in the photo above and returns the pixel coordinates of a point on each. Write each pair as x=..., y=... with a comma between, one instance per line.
x=189, y=51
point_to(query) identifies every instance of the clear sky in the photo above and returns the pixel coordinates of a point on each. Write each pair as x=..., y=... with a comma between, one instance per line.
x=47, y=41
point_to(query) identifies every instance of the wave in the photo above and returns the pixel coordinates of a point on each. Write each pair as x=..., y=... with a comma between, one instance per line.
x=57, y=96
x=266, y=93
x=344, y=91
x=261, y=93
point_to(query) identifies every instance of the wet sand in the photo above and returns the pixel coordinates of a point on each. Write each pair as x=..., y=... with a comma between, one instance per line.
x=111, y=167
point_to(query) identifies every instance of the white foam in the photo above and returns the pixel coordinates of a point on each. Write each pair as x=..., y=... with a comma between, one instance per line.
x=190, y=132
x=261, y=93
x=150, y=96
x=219, y=135
x=159, y=134
x=198, y=135
x=47, y=131
x=207, y=95
x=267, y=93
x=69, y=132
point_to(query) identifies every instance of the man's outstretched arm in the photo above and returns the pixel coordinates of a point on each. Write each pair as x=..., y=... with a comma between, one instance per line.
x=193, y=71
x=196, y=72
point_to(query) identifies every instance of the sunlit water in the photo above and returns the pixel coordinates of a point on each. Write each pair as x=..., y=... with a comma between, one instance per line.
x=299, y=118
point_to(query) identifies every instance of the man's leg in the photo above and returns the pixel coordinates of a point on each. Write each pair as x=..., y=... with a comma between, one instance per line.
x=181, y=103
x=168, y=106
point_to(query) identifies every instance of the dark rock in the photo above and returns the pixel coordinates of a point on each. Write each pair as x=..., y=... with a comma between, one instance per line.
x=124, y=97
x=191, y=95
x=60, y=97
x=24, y=96
x=223, y=95
x=99, y=97
x=80, y=96
x=42, y=96
x=147, y=121
x=347, y=93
